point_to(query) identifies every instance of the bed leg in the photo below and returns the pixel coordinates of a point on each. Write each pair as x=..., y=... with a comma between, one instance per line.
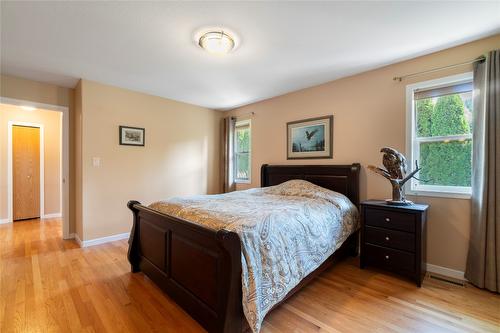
x=354, y=245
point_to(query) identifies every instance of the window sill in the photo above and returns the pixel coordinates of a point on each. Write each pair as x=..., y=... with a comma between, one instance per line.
x=451, y=195
x=242, y=181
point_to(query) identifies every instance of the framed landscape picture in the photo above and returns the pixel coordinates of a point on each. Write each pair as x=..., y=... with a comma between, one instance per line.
x=132, y=136
x=310, y=138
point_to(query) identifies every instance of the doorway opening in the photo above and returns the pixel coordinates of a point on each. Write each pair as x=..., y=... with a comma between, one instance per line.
x=37, y=162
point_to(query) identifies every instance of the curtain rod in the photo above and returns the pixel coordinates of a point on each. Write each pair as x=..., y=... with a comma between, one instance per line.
x=400, y=78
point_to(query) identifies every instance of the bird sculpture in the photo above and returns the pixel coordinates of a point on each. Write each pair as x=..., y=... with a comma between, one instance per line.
x=394, y=162
x=395, y=171
x=310, y=135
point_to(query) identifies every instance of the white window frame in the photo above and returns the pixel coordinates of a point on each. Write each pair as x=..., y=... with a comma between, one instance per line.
x=241, y=123
x=412, y=142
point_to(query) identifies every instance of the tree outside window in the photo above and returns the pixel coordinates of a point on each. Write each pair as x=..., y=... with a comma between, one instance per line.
x=448, y=161
x=242, y=151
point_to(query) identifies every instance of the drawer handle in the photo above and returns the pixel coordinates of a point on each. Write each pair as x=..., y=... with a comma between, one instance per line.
x=387, y=257
x=386, y=238
x=387, y=219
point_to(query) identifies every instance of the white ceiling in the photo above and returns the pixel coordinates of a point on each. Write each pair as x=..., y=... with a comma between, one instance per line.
x=285, y=46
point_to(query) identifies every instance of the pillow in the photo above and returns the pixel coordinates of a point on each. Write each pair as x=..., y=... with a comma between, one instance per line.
x=303, y=188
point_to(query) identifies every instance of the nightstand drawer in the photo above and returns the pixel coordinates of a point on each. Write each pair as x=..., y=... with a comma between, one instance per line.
x=390, y=259
x=390, y=238
x=390, y=219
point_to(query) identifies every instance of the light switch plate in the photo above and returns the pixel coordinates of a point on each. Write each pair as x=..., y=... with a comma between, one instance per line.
x=96, y=161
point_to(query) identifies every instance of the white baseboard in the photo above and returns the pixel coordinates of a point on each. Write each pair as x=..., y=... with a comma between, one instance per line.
x=459, y=275
x=78, y=240
x=4, y=221
x=102, y=240
x=52, y=216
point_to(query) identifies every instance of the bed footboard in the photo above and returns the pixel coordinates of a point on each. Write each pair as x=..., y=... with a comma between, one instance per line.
x=199, y=268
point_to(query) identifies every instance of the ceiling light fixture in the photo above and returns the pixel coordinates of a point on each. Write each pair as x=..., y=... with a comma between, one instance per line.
x=217, y=42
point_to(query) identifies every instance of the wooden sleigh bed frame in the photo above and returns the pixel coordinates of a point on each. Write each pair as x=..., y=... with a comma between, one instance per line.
x=200, y=269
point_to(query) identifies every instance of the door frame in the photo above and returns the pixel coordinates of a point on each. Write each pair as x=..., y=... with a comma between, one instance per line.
x=64, y=159
x=10, y=174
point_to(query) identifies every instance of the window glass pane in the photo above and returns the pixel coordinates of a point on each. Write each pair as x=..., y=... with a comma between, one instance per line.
x=242, y=166
x=242, y=152
x=243, y=139
x=444, y=115
x=446, y=163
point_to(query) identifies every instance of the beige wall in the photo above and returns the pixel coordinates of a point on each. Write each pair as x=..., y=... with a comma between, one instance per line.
x=369, y=113
x=180, y=156
x=51, y=122
x=22, y=89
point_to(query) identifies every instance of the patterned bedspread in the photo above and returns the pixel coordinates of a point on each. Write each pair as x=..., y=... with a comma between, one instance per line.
x=286, y=232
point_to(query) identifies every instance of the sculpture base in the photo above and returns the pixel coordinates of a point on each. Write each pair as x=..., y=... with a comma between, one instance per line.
x=398, y=203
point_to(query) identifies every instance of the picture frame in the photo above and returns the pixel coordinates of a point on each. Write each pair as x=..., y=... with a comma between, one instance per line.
x=132, y=136
x=310, y=138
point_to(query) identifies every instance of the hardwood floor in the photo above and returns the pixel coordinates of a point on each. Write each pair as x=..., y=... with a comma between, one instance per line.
x=51, y=285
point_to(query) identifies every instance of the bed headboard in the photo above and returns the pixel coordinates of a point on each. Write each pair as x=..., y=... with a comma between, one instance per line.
x=339, y=178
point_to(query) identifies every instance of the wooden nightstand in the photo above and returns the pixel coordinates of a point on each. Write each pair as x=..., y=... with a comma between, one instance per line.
x=394, y=238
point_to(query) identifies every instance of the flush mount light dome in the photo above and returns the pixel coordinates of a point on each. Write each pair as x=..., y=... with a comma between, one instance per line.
x=28, y=108
x=217, y=42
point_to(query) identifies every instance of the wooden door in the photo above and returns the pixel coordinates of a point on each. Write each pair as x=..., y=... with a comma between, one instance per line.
x=26, y=172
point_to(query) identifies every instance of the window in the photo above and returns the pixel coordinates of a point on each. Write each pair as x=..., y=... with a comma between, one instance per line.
x=242, y=152
x=440, y=136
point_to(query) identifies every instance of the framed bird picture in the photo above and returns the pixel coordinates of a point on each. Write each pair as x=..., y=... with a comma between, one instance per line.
x=310, y=138
x=132, y=136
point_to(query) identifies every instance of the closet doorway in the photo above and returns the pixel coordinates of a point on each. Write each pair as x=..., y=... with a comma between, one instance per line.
x=27, y=167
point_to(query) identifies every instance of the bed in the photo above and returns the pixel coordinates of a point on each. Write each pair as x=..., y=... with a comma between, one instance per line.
x=200, y=267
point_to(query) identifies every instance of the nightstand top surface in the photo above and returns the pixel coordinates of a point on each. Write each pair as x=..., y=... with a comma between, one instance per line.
x=383, y=204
